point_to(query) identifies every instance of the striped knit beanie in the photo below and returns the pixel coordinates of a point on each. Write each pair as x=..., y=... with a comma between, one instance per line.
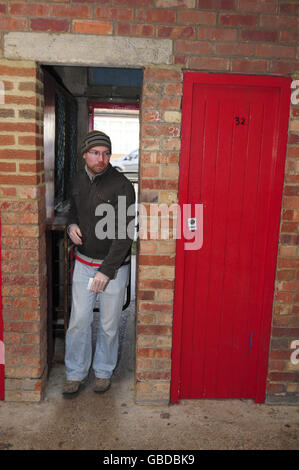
x=94, y=139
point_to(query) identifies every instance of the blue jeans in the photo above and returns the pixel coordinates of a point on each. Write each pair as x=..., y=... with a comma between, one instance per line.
x=78, y=344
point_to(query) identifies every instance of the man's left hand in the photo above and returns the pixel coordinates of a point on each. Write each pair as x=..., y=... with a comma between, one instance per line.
x=99, y=282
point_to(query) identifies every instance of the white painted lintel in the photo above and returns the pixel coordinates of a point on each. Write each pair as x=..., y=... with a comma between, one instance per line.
x=87, y=50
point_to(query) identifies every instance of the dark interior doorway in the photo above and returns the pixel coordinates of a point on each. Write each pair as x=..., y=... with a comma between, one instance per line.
x=70, y=93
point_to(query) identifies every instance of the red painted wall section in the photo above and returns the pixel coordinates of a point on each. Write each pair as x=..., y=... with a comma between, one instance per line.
x=2, y=393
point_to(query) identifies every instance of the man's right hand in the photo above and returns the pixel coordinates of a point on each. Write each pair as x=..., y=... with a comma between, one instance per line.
x=75, y=234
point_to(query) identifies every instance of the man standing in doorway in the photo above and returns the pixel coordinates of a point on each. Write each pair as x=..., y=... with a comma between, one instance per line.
x=103, y=237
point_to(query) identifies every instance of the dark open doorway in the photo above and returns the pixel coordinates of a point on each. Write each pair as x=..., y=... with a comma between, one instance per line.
x=70, y=95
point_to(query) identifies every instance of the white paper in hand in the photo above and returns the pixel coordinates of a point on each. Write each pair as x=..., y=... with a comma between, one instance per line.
x=89, y=283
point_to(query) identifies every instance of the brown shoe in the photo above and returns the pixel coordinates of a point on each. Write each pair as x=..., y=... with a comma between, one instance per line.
x=101, y=385
x=72, y=387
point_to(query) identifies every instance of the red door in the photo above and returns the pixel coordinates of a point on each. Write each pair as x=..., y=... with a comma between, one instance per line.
x=234, y=134
x=2, y=367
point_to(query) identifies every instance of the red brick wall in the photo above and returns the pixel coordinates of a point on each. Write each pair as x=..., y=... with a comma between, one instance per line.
x=233, y=36
x=23, y=217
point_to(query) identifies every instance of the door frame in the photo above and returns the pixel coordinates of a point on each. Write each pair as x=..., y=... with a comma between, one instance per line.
x=190, y=79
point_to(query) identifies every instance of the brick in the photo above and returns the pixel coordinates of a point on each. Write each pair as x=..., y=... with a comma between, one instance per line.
x=151, y=116
x=155, y=307
x=13, y=24
x=146, y=318
x=160, y=130
x=134, y=3
x=279, y=22
x=44, y=24
x=27, y=218
x=267, y=50
x=7, y=167
x=289, y=8
x=25, y=9
x=92, y=27
x=144, y=364
x=7, y=139
x=164, y=295
x=172, y=116
x=233, y=49
x=284, y=354
x=285, y=67
x=240, y=65
x=217, y=34
x=32, y=140
x=289, y=36
x=18, y=154
x=143, y=389
x=170, y=171
x=72, y=11
x=29, y=100
x=31, y=167
x=17, y=126
x=172, y=88
x=157, y=184
x=259, y=35
x=291, y=190
x=197, y=17
x=266, y=6
x=156, y=16
x=285, y=275
x=283, y=376
x=125, y=29
x=193, y=47
x=287, y=332
x=165, y=74
x=103, y=2
x=175, y=3
x=294, y=125
x=276, y=365
x=295, y=114
x=153, y=375
x=146, y=341
x=12, y=70
x=156, y=284
x=172, y=102
x=291, y=286
x=7, y=191
x=174, y=32
x=6, y=113
x=154, y=353
x=146, y=295
x=180, y=60
x=152, y=89
x=19, y=231
x=154, y=330
x=119, y=14
x=238, y=20
x=9, y=267
x=291, y=202
x=209, y=63
x=216, y=4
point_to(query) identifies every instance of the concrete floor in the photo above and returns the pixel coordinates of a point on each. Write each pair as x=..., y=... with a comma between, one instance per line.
x=113, y=421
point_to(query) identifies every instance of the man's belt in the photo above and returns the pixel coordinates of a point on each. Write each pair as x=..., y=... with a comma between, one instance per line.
x=87, y=262
x=90, y=262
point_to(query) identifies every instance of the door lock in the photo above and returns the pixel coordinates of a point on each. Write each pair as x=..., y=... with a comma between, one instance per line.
x=192, y=225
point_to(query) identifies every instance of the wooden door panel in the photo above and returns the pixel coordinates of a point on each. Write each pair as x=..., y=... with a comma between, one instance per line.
x=226, y=287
